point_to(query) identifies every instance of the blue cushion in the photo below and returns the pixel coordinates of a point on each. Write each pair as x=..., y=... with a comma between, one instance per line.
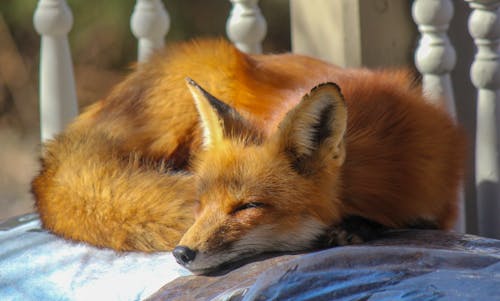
x=37, y=265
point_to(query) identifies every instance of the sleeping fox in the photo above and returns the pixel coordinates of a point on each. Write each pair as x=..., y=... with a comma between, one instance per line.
x=219, y=155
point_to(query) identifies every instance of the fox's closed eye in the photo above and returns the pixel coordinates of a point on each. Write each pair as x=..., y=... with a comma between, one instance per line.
x=249, y=205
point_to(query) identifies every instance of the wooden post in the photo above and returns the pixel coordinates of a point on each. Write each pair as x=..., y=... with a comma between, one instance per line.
x=484, y=26
x=246, y=27
x=354, y=33
x=149, y=23
x=58, y=104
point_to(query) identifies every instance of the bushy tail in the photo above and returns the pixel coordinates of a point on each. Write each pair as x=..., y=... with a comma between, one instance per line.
x=90, y=190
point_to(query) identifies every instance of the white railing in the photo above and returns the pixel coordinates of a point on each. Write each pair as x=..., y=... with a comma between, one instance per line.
x=435, y=58
x=246, y=27
x=484, y=27
x=58, y=105
x=149, y=23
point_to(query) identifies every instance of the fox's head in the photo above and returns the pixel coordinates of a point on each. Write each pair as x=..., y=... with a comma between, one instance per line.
x=257, y=194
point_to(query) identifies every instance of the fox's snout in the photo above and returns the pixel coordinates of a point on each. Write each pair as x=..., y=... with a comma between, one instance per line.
x=184, y=255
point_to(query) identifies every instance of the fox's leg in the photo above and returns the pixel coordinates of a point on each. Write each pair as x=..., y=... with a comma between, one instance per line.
x=356, y=230
x=91, y=190
x=352, y=230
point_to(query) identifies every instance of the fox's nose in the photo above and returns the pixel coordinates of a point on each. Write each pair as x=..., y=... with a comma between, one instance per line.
x=184, y=255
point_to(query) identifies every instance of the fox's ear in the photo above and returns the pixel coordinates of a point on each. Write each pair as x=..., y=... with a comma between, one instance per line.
x=315, y=128
x=218, y=119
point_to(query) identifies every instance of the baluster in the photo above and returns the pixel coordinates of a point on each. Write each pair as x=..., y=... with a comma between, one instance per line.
x=246, y=27
x=58, y=104
x=435, y=58
x=149, y=23
x=484, y=27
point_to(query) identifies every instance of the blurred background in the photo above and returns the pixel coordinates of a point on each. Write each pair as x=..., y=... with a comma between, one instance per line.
x=103, y=48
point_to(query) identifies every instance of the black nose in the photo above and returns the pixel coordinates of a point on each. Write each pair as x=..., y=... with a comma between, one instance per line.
x=184, y=255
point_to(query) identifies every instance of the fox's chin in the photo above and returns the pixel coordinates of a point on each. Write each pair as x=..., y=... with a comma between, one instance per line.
x=234, y=262
x=221, y=263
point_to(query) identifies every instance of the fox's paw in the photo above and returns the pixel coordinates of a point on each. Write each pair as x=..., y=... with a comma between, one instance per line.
x=352, y=230
x=337, y=236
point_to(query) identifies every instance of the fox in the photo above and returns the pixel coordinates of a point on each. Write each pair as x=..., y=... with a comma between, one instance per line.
x=217, y=156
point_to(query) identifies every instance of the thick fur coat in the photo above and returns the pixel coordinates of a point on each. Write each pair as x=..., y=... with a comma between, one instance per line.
x=248, y=156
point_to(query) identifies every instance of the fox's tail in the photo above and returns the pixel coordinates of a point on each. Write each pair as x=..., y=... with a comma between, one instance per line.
x=89, y=190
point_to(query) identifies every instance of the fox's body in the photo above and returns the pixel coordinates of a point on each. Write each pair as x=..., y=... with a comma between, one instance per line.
x=130, y=171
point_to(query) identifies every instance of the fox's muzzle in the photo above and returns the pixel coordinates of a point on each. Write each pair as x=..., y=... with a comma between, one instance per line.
x=184, y=255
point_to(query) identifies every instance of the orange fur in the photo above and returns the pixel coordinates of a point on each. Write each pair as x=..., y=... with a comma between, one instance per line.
x=128, y=172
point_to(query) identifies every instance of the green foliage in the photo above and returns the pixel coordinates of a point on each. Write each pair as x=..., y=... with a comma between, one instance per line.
x=101, y=30
x=16, y=12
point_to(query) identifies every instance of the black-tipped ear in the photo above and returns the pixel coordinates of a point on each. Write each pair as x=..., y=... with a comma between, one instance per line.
x=218, y=119
x=315, y=128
